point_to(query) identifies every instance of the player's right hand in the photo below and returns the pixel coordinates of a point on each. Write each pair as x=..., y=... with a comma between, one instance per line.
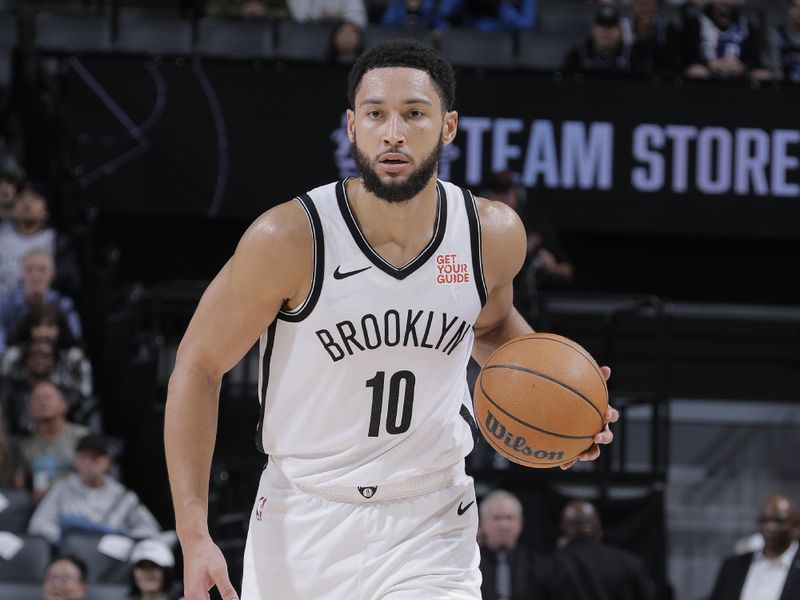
x=203, y=568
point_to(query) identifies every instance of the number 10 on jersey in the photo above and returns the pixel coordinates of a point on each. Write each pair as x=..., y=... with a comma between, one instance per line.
x=378, y=385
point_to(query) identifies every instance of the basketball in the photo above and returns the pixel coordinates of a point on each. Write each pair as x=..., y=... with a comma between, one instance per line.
x=540, y=399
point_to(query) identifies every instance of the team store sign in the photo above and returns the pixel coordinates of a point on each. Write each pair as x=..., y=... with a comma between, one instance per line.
x=674, y=158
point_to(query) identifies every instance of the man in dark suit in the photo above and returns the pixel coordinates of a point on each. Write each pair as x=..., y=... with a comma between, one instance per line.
x=585, y=568
x=772, y=573
x=507, y=568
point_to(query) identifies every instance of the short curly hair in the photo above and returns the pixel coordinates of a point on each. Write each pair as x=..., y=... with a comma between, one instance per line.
x=406, y=53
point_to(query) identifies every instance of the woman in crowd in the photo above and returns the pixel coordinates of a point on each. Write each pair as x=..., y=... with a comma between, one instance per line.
x=152, y=572
x=72, y=372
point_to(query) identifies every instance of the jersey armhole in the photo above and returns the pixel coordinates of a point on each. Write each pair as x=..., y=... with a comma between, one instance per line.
x=475, y=244
x=318, y=267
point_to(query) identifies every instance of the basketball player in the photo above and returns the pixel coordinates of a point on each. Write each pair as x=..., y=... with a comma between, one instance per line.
x=368, y=296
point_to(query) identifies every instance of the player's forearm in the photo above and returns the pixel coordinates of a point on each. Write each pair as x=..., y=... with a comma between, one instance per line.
x=488, y=341
x=190, y=429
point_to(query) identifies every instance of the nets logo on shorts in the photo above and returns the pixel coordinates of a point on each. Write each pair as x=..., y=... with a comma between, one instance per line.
x=260, y=508
x=368, y=491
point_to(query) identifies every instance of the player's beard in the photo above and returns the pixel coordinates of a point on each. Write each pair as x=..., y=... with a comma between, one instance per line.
x=401, y=191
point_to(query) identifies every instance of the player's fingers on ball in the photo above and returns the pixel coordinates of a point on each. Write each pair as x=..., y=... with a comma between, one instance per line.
x=606, y=371
x=604, y=437
x=612, y=415
x=567, y=465
x=590, y=454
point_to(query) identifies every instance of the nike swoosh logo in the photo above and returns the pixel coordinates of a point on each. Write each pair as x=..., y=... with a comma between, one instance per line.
x=463, y=509
x=337, y=274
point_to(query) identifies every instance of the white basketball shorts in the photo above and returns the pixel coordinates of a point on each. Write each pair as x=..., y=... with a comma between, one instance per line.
x=410, y=541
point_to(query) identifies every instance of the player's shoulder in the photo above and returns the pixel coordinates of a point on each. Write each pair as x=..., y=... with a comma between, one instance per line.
x=497, y=219
x=285, y=226
x=503, y=240
x=289, y=222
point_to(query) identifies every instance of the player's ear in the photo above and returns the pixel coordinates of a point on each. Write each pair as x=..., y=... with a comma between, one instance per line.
x=449, y=127
x=351, y=125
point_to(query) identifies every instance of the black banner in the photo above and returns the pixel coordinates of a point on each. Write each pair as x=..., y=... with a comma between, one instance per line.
x=229, y=140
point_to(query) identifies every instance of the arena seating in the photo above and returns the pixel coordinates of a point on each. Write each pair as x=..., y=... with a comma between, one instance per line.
x=27, y=565
x=229, y=38
x=14, y=518
x=59, y=32
x=155, y=35
x=102, y=568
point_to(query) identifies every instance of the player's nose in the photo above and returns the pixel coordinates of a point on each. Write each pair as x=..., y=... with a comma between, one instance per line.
x=394, y=133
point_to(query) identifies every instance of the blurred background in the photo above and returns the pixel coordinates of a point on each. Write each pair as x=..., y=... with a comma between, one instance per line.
x=651, y=148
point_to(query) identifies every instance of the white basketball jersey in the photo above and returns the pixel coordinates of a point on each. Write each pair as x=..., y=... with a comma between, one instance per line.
x=365, y=383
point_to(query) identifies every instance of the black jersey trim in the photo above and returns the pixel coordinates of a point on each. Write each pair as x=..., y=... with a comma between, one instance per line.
x=318, y=271
x=475, y=244
x=473, y=426
x=375, y=258
x=265, y=365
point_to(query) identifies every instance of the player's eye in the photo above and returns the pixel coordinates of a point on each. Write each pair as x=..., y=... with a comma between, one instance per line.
x=374, y=114
x=415, y=114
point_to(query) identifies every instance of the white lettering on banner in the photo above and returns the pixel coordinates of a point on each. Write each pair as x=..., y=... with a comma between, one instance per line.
x=680, y=135
x=586, y=160
x=742, y=161
x=541, y=158
x=502, y=150
x=714, y=177
x=752, y=158
x=474, y=128
x=580, y=155
x=782, y=162
x=650, y=178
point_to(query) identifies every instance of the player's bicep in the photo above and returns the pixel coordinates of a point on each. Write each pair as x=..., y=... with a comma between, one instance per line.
x=496, y=309
x=503, y=250
x=268, y=268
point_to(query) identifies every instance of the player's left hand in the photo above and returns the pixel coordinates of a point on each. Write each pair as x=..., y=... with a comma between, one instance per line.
x=604, y=437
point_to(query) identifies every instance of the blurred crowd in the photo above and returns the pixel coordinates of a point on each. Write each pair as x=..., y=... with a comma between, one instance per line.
x=725, y=39
x=584, y=565
x=57, y=468
x=711, y=38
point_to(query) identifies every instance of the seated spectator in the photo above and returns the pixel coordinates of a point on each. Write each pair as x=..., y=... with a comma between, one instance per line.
x=655, y=41
x=10, y=472
x=506, y=567
x=605, y=51
x=721, y=42
x=65, y=579
x=48, y=454
x=10, y=172
x=585, y=568
x=15, y=394
x=765, y=573
x=91, y=501
x=786, y=44
x=72, y=372
x=347, y=43
x=413, y=14
x=38, y=272
x=26, y=231
x=309, y=11
x=690, y=9
x=152, y=573
x=490, y=15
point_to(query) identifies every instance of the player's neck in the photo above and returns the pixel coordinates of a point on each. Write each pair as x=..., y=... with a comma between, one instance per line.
x=402, y=229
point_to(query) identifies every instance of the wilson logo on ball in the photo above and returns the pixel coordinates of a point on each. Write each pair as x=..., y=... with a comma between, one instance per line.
x=517, y=443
